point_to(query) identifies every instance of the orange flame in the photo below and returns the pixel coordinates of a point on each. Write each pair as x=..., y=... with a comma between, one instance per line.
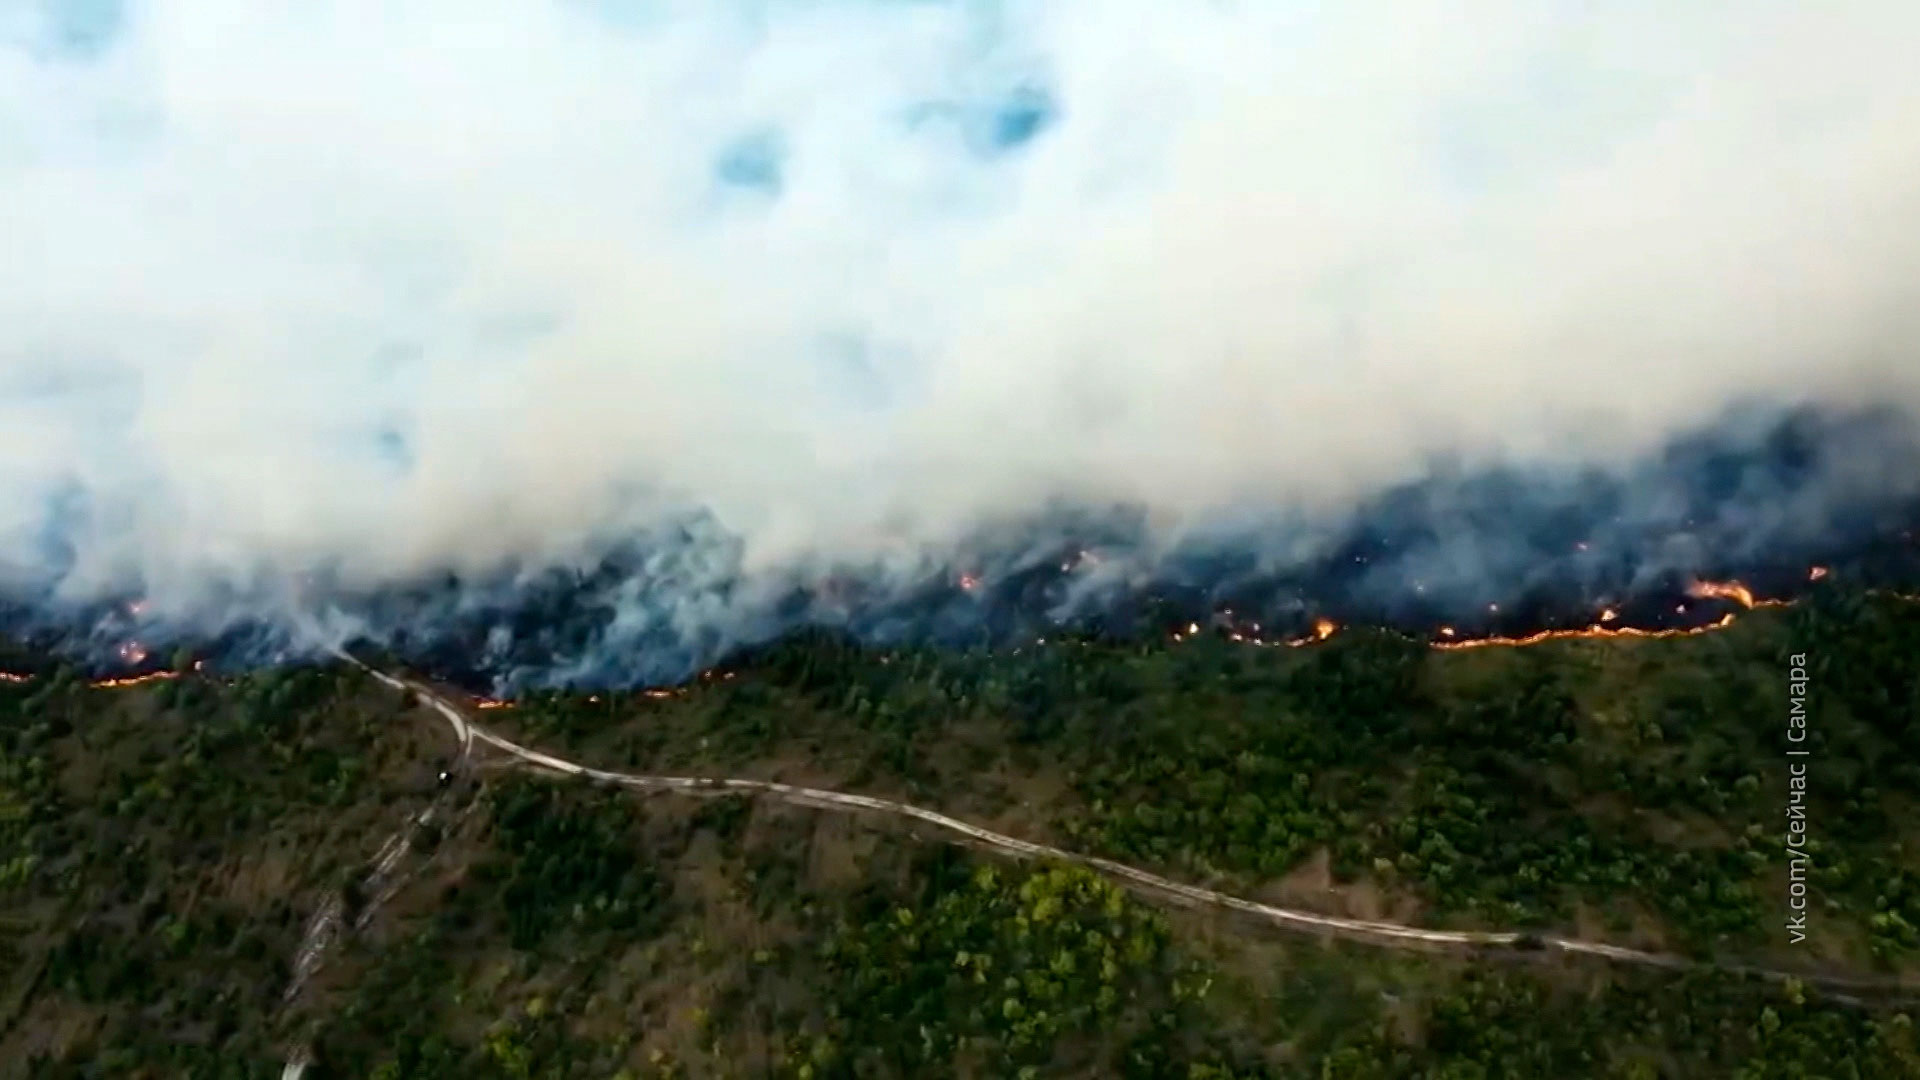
x=1723, y=590
x=1322, y=630
x=134, y=680
x=1594, y=631
x=1730, y=590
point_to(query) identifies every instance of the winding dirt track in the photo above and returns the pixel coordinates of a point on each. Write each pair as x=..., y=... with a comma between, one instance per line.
x=1371, y=932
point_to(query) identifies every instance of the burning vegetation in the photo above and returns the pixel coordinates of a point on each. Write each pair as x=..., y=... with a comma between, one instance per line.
x=1378, y=768
x=1606, y=623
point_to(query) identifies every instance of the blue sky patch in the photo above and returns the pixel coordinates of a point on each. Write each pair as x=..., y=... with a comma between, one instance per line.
x=993, y=127
x=1019, y=119
x=81, y=29
x=394, y=448
x=753, y=163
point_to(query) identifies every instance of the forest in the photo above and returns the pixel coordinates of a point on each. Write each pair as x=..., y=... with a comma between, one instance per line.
x=166, y=847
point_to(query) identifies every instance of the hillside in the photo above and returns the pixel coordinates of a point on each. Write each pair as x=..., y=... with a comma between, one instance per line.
x=167, y=847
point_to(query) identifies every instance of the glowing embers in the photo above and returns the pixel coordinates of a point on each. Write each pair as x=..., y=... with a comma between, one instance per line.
x=1449, y=637
x=134, y=680
x=1700, y=590
x=1322, y=630
x=655, y=694
x=141, y=680
x=1594, y=631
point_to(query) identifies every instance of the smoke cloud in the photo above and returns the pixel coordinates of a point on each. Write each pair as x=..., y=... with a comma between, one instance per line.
x=312, y=300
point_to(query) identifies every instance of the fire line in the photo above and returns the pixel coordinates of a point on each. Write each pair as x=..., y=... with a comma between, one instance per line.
x=1323, y=629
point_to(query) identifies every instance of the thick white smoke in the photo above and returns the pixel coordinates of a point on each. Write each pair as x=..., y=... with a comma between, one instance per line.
x=379, y=288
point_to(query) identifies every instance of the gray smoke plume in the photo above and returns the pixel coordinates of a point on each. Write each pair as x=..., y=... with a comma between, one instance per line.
x=317, y=299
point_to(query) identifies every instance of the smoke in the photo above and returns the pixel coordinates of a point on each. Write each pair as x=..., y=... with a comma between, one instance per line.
x=692, y=308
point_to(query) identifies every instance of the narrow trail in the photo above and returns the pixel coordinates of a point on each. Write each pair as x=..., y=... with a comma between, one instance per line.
x=1366, y=931
x=331, y=923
